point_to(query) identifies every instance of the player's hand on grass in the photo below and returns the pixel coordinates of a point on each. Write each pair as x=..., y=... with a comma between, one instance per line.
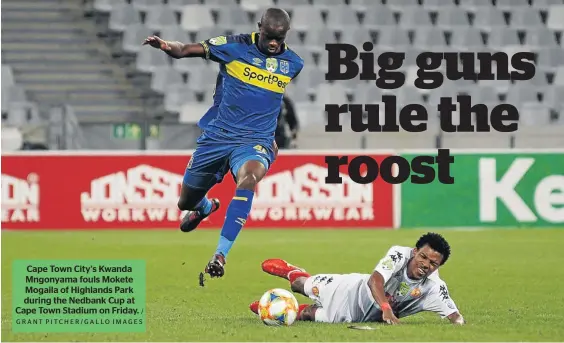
x=390, y=318
x=157, y=43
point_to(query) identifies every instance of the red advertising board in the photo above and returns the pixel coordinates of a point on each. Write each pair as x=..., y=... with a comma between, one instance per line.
x=137, y=190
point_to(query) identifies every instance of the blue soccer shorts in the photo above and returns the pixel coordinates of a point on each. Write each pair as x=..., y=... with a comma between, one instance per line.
x=212, y=159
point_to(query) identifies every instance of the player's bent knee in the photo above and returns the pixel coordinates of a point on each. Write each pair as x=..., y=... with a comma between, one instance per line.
x=184, y=204
x=250, y=174
x=248, y=181
x=189, y=198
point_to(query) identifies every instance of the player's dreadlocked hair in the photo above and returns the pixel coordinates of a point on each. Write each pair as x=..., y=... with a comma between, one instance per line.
x=436, y=242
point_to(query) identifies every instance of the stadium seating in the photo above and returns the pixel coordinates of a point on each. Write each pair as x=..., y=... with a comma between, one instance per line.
x=399, y=25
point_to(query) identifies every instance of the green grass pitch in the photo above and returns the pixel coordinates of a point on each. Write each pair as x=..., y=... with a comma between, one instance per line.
x=507, y=283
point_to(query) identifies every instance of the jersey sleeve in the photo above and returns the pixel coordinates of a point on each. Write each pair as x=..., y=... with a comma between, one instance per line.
x=222, y=49
x=439, y=301
x=394, y=260
x=299, y=68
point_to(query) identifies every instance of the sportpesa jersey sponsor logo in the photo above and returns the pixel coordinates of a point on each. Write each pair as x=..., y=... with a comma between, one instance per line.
x=258, y=77
x=266, y=78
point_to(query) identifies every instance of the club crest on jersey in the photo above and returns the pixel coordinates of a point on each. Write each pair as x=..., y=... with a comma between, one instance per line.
x=271, y=64
x=403, y=289
x=284, y=67
x=220, y=40
x=315, y=291
x=416, y=292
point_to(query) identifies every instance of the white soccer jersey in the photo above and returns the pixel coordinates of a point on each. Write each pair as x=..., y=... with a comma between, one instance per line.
x=407, y=296
x=347, y=297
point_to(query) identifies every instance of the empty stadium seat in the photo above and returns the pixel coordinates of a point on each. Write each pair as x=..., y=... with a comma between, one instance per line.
x=476, y=140
x=254, y=5
x=415, y=18
x=555, y=18
x=502, y=36
x=511, y=4
x=377, y=17
x=489, y=18
x=144, y=5
x=196, y=17
x=305, y=17
x=233, y=16
x=217, y=4
x=468, y=39
x=449, y=17
x=106, y=5
x=549, y=59
x=12, y=138
x=434, y=5
x=122, y=16
x=7, y=76
x=165, y=77
x=430, y=38
x=393, y=38
x=545, y=4
x=541, y=38
x=525, y=19
x=341, y=18
x=398, y=5
x=401, y=140
x=534, y=114
x=134, y=35
x=149, y=59
x=188, y=65
x=475, y=5
x=176, y=96
x=539, y=137
x=328, y=4
x=161, y=18
x=177, y=5
x=357, y=37
x=553, y=96
x=291, y=3
x=316, y=38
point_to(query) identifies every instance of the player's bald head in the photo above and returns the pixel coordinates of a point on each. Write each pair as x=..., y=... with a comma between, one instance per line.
x=275, y=19
x=273, y=26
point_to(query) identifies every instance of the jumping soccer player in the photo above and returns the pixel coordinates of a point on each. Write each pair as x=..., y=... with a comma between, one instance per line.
x=239, y=128
x=405, y=282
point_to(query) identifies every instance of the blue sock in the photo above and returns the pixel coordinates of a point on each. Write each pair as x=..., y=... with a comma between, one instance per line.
x=235, y=218
x=204, y=206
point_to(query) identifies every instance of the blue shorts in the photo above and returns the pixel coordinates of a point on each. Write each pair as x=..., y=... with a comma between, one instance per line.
x=213, y=158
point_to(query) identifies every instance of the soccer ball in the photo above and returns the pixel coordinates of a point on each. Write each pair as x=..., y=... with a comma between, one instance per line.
x=278, y=307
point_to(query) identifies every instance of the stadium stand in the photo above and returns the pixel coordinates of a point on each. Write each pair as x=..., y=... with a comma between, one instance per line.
x=87, y=58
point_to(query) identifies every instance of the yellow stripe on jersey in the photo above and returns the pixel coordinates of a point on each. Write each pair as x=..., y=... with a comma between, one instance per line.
x=258, y=77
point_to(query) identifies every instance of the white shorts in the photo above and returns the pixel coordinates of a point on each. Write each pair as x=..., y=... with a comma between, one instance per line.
x=336, y=296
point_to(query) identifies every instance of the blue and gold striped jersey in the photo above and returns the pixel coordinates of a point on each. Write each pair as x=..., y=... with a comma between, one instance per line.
x=249, y=88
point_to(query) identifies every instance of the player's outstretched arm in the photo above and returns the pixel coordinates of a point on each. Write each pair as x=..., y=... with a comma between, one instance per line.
x=376, y=285
x=176, y=49
x=456, y=318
